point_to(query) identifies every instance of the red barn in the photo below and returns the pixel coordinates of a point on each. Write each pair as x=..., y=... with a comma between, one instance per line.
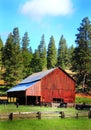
x=53, y=85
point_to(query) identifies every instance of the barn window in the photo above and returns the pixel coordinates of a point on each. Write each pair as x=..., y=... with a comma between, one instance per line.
x=57, y=100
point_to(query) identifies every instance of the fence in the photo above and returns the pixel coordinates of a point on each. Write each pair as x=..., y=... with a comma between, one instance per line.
x=42, y=115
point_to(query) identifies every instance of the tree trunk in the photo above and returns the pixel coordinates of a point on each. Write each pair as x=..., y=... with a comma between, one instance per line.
x=83, y=84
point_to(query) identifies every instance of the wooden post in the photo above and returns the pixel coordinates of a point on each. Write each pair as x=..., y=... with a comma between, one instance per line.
x=36, y=100
x=62, y=114
x=89, y=114
x=25, y=100
x=83, y=84
x=10, y=99
x=11, y=116
x=39, y=115
x=77, y=115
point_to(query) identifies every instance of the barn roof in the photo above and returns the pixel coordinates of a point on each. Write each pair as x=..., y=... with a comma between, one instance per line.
x=21, y=87
x=29, y=81
x=36, y=76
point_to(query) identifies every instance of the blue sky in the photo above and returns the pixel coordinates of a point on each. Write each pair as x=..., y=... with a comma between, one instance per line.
x=48, y=17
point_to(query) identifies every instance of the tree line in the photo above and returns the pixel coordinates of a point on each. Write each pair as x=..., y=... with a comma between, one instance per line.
x=17, y=60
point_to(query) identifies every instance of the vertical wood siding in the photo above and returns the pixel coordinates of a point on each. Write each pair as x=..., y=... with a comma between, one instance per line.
x=58, y=85
x=34, y=90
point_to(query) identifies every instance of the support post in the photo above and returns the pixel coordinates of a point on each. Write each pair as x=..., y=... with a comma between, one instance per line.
x=25, y=100
x=36, y=100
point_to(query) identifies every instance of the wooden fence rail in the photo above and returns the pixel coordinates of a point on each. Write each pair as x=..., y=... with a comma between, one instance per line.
x=41, y=115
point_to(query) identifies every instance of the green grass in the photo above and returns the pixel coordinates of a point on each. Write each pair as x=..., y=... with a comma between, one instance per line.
x=43, y=124
x=12, y=108
x=47, y=124
x=83, y=99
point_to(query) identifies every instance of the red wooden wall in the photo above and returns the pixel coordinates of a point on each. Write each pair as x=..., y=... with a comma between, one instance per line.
x=57, y=84
x=34, y=90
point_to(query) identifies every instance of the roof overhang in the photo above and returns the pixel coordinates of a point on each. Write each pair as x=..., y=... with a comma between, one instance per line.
x=21, y=87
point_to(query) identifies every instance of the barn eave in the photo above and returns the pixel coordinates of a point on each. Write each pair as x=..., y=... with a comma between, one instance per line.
x=21, y=87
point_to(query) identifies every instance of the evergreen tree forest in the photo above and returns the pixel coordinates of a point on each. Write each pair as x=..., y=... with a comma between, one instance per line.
x=17, y=60
x=81, y=59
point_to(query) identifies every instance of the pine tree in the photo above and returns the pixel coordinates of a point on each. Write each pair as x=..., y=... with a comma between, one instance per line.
x=42, y=53
x=1, y=47
x=62, y=59
x=82, y=53
x=27, y=55
x=51, y=54
x=35, y=63
x=25, y=42
x=7, y=59
x=70, y=53
x=16, y=37
x=7, y=51
x=12, y=59
x=17, y=59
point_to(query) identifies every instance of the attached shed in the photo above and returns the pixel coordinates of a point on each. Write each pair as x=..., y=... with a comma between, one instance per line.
x=54, y=85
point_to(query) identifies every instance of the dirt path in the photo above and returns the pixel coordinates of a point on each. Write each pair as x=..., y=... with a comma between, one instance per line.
x=83, y=95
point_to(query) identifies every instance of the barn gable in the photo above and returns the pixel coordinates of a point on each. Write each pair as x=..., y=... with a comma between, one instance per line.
x=45, y=86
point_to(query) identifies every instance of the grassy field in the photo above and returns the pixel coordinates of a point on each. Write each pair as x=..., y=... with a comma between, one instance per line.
x=12, y=108
x=43, y=124
x=47, y=124
x=83, y=99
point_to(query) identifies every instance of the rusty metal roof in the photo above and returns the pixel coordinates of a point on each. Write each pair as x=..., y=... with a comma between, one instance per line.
x=36, y=76
x=29, y=81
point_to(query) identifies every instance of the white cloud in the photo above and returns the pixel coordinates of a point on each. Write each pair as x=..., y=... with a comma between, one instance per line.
x=41, y=8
